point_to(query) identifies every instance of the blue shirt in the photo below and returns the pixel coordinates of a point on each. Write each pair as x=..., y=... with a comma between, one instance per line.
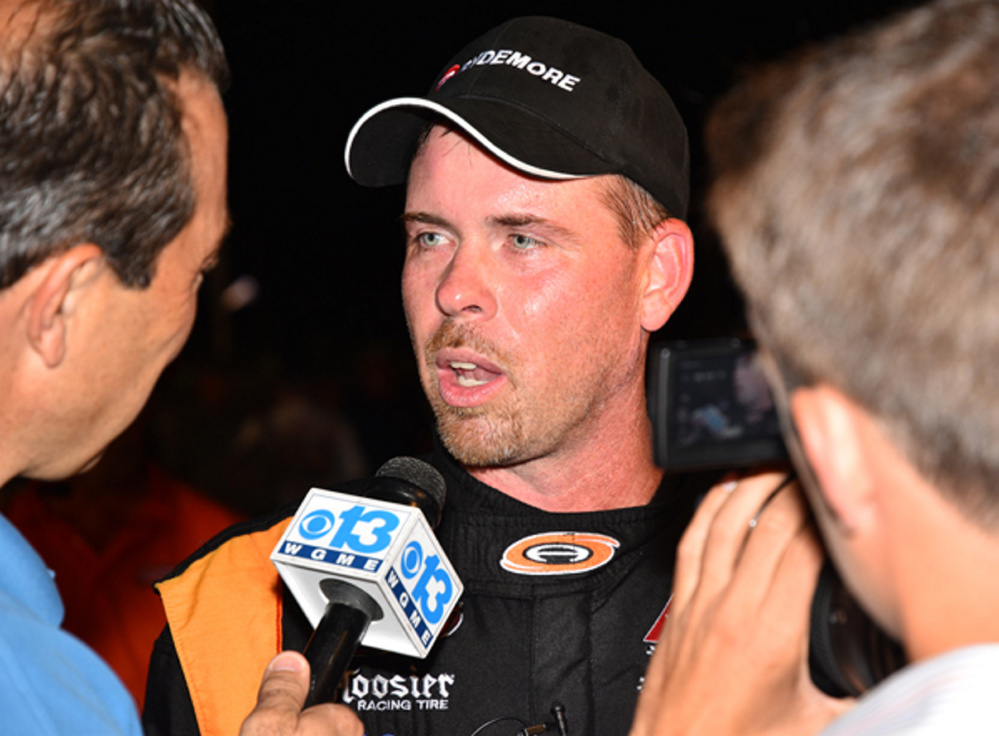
x=50, y=681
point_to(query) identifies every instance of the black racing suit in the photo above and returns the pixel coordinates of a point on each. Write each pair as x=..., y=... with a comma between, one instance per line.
x=518, y=643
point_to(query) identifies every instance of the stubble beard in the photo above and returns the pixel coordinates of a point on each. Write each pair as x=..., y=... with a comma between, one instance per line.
x=477, y=436
x=511, y=429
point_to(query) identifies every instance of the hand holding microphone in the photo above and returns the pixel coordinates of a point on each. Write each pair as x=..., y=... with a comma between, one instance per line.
x=279, y=710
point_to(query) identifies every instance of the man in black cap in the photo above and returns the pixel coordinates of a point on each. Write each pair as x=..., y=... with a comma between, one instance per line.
x=546, y=174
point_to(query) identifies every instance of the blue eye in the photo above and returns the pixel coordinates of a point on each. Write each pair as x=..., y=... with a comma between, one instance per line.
x=429, y=240
x=524, y=242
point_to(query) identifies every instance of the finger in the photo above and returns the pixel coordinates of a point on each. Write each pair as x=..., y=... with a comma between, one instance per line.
x=730, y=529
x=281, y=696
x=690, y=551
x=798, y=575
x=792, y=598
x=774, y=530
x=279, y=705
x=285, y=683
x=328, y=719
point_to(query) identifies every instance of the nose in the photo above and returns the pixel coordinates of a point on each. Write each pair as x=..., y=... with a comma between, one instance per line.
x=466, y=286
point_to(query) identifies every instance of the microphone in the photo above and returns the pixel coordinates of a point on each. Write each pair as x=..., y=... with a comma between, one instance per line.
x=365, y=567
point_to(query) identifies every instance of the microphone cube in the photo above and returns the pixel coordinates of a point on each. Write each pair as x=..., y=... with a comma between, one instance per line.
x=387, y=550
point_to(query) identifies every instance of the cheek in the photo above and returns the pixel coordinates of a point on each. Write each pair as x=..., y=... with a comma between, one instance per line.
x=550, y=295
x=409, y=301
x=418, y=295
x=181, y=316
x=188, y=325
x=186, y=314
x=599, y=302
x=610, y=320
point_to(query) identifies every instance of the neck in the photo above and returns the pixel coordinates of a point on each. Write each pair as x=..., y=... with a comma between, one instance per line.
x=947, y=569
x=6, y=475
x=16, y=429
x=20, y=435
x=12, y=460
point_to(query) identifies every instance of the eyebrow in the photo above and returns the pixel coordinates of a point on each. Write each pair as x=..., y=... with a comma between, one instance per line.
x=424, y=218
x=527, y=220
x=534, y=221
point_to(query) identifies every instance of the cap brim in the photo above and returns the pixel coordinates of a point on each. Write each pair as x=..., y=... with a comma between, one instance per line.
x=382, y=143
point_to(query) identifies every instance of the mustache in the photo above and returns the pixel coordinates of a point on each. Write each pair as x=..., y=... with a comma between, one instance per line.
x=458, y=335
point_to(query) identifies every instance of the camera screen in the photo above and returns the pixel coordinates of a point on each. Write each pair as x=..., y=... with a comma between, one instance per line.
x=712, y=406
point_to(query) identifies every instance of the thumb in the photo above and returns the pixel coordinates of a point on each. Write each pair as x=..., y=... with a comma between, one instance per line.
x=286, y=683
x=281, y=696
x=280, y=700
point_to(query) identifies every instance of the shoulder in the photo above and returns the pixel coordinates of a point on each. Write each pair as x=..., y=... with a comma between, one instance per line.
x=952, y=693
x=50, y=682
x=256, y=534
x=238, y=533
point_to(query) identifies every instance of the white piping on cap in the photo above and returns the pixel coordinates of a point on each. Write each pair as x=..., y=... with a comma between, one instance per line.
x=464, y=125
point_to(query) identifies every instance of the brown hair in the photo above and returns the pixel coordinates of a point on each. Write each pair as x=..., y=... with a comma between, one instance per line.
x=637, y=212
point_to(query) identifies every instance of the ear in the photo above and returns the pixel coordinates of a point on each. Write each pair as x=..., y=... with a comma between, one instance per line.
x=670, y=269
x=830, y=427
x=53, y=302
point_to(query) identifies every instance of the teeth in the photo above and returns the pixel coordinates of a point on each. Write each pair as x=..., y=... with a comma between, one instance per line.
x=464, y=380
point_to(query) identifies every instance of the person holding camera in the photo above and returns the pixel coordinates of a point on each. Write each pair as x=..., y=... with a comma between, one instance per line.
x=857, y=194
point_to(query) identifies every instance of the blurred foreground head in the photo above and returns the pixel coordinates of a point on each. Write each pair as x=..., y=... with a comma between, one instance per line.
x=857, y=194
x=112, y=203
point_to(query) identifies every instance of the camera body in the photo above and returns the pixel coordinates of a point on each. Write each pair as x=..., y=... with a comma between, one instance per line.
x=711, y=409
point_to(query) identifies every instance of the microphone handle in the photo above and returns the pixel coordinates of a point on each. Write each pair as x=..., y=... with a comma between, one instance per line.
x=348, y=613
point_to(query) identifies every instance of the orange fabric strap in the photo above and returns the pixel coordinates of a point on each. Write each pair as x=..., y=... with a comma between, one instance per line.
x=224, y=613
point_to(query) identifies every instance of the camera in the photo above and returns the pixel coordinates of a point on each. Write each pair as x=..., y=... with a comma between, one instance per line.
x=712, y=410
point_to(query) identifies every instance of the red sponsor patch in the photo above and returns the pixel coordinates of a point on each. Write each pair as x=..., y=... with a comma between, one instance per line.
x=657, y=628
x=559, y=553
x=454, y=621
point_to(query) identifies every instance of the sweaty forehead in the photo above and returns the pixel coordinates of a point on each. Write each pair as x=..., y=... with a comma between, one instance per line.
x=446, y=157
x=443, y=139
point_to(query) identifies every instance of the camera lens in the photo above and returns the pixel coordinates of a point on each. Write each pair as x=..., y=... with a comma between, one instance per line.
x=848, y=653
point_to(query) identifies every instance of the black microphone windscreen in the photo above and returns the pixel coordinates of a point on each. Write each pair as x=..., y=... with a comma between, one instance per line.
x=422, y=475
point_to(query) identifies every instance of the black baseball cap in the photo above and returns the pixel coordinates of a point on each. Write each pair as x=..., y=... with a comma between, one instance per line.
x=549, y=98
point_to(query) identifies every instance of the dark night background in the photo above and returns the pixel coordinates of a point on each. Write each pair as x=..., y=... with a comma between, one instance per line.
x=327, y=324
x=312, y=381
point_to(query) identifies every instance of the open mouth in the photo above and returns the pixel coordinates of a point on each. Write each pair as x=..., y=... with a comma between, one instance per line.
x=470, y=375
x=467, y=379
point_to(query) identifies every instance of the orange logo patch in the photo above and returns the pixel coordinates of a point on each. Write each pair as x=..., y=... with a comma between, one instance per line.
x=559, y=553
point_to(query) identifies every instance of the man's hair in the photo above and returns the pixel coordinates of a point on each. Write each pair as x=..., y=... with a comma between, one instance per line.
x=91, y=145
x=857, y=194
x=637, y=212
